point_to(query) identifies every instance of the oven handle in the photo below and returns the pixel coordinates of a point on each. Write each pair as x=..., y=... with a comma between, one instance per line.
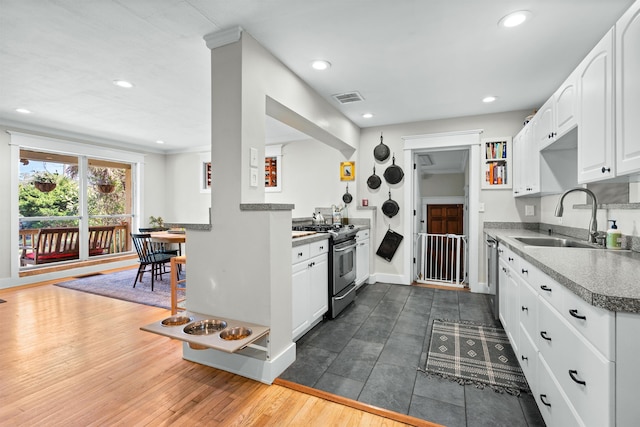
x=344, y=296
x=345, y=248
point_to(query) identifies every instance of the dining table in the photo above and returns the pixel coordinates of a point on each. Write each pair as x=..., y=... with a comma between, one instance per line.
x=178, y=238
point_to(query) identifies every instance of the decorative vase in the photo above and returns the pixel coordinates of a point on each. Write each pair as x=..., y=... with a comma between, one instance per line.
x=45, y=187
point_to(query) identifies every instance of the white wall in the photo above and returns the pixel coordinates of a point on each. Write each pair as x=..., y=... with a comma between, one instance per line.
x=186, y=203
x=499, y=204
x=6, y=251
x=442, y=185
x=310, y=177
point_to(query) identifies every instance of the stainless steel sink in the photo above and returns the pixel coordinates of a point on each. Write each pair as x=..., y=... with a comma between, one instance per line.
x=554, y=242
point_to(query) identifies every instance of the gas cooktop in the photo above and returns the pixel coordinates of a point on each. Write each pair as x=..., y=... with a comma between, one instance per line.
x=336, y=230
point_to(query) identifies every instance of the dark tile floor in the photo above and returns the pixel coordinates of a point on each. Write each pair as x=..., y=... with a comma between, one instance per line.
x=372, y=352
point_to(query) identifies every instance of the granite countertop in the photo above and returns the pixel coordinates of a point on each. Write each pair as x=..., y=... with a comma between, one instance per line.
x=603, y=278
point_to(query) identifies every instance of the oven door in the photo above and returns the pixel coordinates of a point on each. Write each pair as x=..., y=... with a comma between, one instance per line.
x=344, y=265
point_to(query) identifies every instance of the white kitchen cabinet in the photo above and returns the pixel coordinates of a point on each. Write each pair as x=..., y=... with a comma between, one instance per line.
x=565, y=106
x=362, y=257
x=526, y=162
x=596, y=159
x=310, y=286
x=552, y=402
x=508, y=305
x=628, y=91
x=545, y=129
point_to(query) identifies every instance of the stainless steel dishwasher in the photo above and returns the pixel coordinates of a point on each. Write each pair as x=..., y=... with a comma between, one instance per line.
x=492, y=274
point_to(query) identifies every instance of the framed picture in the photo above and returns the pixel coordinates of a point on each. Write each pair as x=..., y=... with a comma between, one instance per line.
x=347, y=171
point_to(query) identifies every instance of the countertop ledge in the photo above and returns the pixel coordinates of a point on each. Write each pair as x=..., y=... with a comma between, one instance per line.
x=603, y=278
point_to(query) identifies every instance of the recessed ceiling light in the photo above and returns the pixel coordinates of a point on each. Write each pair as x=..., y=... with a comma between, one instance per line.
x=23, y=111
x=514, y=19
x=320, y=64
x=488, y=99
x=123, y=83
x=159, y=141
x=367, y=115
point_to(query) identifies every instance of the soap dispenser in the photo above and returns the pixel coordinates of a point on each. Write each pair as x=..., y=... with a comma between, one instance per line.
x=614, y=238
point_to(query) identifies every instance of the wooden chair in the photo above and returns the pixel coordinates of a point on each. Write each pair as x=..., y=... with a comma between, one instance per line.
x=177, y=284
x=148, y=257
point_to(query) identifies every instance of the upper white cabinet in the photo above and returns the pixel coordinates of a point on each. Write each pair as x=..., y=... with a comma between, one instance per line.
x=527, y=162
x=628, y=91
x=596, y=159
x=565, y=100
x=544, y=120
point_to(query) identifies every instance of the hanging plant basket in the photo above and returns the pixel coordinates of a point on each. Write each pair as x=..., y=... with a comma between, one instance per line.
x=105, y=188
x=45, y=187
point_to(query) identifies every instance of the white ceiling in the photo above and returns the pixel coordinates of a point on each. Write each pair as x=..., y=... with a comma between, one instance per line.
x=411, y=60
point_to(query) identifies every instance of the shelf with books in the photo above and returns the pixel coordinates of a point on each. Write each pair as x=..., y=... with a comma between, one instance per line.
x=496, y=167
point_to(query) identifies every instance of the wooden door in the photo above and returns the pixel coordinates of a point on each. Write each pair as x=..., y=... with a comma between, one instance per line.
x=443, y=219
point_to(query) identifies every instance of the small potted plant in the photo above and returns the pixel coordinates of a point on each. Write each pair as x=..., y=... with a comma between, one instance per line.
x=103, y=181
x=156, y=221
x=44, y=180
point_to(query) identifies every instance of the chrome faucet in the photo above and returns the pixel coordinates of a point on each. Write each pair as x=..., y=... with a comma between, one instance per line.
x=593, y=225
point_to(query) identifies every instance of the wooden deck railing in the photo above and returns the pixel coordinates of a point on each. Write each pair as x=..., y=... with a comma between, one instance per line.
x=120, y=241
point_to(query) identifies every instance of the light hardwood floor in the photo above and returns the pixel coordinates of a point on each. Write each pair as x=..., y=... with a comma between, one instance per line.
x=75, y=359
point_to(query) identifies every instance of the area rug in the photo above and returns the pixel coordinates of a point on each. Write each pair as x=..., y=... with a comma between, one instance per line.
x=119, y=285
x=474, y=354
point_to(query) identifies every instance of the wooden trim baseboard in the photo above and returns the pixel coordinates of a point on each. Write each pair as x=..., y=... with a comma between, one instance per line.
x=68, y=266
x=395, y=416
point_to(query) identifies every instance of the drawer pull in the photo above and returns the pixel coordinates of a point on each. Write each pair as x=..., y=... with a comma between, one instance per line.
x=321, y=248
x=299, y=253
x=573, y=374
x=510, y=259
x=545, y=288
x=575, y=314
x=524, y=358
x=525, y=308
x=542, y=398
x=543, y=334
x=525, y=271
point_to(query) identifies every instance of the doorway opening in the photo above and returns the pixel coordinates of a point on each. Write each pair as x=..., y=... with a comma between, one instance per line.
x=445, y=188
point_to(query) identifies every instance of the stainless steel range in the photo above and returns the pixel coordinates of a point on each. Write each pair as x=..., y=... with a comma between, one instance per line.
x=342, y=264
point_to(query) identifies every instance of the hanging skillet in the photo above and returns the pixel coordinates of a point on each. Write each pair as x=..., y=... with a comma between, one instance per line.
x=346, y=197
x=381, y=152
x=374, y=181
x=390, y=207
x=393, y=174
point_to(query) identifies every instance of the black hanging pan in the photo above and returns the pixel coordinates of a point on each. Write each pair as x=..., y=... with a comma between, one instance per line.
x=381, y=152
x=390, y=207
x=374, y=180
x=346, y=197
x=393, y=174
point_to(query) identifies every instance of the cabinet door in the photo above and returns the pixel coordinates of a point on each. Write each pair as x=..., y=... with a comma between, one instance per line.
x=545, y=125
x=518, y=162
x=362, y=262
x=318, y=287
x=595, y=113
x=552, y=403
x=531, y=162
x=300, y=298
x=628, y=91
x=565, y=106
x=503, y=277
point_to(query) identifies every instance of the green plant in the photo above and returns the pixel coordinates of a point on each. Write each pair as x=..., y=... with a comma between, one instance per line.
x=44, y=176
x=156, y=221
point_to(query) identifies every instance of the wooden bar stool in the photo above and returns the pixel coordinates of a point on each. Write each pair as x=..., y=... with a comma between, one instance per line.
x=177, y=284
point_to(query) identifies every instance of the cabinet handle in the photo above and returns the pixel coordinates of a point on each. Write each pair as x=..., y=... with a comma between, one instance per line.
x=299, y=254
x=606, y=169
x=573, y=374
x=525, y=308
x=545, y=288
x=575, y=314
x=504, y=269
x=510, y=259
x=542, y=397
x=321, y=248
x=543, y=334
x=500, y=251
x=524, y=358
x=525, y=271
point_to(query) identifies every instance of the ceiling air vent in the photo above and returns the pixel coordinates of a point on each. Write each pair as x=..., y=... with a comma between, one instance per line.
x=348, y=98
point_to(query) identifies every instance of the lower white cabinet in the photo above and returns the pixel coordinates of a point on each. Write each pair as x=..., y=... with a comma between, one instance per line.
x=362, y=257
x=565, y=346
x=310, y=286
